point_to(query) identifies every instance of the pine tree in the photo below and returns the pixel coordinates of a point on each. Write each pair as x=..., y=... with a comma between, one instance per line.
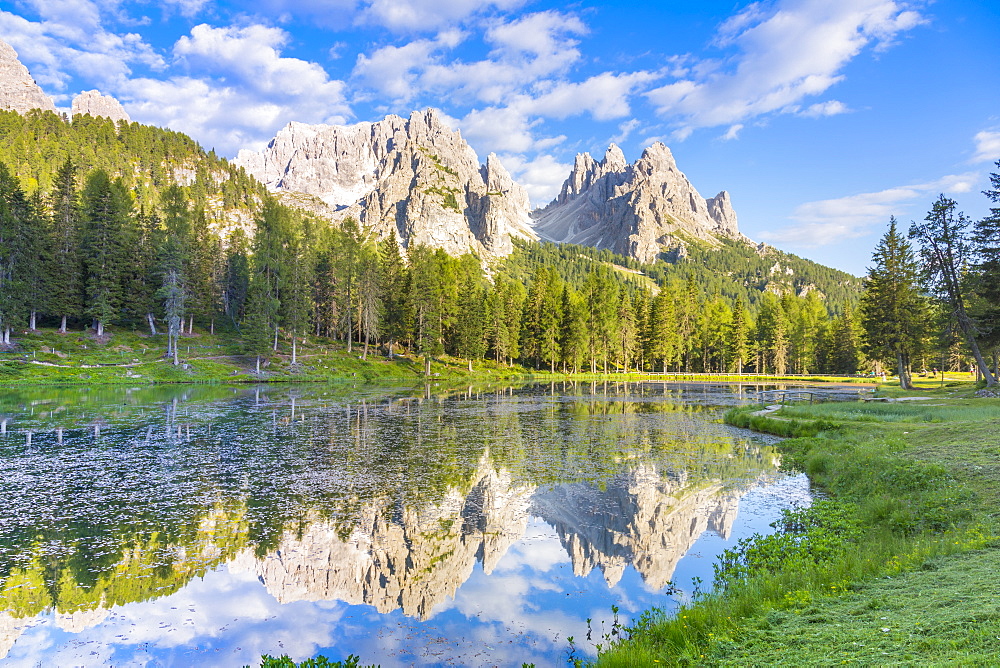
x=370, y=296
x=395, y=289
x=14, y=211
x=107, y=213
x=986, y=271
x=946, y=253
x=739, y=335
x=66, y=272
x=893, y=312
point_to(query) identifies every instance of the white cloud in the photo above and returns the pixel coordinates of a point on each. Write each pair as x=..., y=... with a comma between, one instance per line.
x=605, y=97
x=410, y=15
x=396, y=70
x=829, y=108
x=625, y=130
x=71, y=39
x=240, y=89
x=834, y=220
x=987, y=146
x=188, y=8
x=542, y=176
x=795, y=51
x=499, y=129
x=732, y=133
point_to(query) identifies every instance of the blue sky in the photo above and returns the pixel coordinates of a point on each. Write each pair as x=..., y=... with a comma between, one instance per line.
x=820, y=118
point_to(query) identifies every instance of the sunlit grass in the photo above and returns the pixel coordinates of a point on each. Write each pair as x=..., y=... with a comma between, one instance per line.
x=922, y=480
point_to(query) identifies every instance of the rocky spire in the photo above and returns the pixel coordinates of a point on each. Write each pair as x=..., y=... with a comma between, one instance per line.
x=637, y=210
x=415, y=176
x=93, y=103
x=18, y=91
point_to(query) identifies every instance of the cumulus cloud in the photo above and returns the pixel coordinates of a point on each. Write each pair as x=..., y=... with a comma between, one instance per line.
x=70, y=38
x=541, y=176
x=239, y=89
x=833, y=220
x=987, y=146
x=605, y=97
x=525, y=52
x=784, y=55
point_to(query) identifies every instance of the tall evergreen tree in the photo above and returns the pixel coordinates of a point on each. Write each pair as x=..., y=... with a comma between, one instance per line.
x=66, y=271
x=107, y=217
x=14, y=212
x=986, y=272
x=893, y=311
x=946, y=253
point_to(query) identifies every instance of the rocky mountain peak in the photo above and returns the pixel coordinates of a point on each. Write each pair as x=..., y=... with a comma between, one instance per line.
x=614, y=160
x=18, y=91
x=417, y=177
x=94, y=103
x=638, y=210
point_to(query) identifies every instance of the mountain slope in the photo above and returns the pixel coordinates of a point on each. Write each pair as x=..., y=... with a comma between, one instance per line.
x=636, y=210
x=416, y=177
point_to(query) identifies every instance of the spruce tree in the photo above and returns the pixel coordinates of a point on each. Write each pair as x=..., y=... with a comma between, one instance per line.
x=985, y=274
x=107, y=212
x=946, y=253
x=66, y=271
x=893, y=312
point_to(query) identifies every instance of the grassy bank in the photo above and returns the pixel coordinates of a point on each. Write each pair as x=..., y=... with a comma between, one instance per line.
x=898, y=564
x=129, y=357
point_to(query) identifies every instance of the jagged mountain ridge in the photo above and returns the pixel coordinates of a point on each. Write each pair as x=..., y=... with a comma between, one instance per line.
x=401, y=173
x=635, y=210
x=415, y=176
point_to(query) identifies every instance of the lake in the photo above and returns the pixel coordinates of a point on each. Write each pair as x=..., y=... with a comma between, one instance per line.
x=436, y=525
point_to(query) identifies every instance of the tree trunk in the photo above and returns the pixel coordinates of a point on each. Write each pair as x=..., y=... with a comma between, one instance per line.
x=152, y=324
x=33, y=320
x=62, y=326
x=211, y=327
x=100, y=328
x=427, y=364
x=258, y=363
x=904, y=374
x=968, y=330
x=294, y=349
x=176, y=353
x=470, y=365
x=364, y=355
x=191, y=324
x=275, y=338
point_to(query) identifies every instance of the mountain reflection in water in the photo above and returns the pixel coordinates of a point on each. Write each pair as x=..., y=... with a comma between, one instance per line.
x=395, y=511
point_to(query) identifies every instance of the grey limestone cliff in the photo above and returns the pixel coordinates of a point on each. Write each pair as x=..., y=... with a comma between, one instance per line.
x=94, y=103
x=637, y=210
x=18, y=91
x=415, y=176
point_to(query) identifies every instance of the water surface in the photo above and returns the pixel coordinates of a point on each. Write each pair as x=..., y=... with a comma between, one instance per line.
x=429, y=526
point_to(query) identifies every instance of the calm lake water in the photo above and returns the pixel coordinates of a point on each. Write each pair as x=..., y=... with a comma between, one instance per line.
x=173, y=526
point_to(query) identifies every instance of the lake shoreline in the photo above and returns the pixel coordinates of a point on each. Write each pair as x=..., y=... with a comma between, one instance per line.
x=47, y=357
x=893, y=564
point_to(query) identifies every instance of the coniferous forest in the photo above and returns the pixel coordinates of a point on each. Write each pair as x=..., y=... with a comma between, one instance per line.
x=137, y=227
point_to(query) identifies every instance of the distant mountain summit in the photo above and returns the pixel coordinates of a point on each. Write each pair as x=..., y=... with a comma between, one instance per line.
x=415, y=176
x=637, y=210
x=20, y=93
x=18, y=90
x=421, y=179
x=94, y=103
